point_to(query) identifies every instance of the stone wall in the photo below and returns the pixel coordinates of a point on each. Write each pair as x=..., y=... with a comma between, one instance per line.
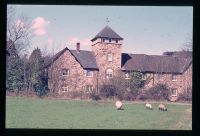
x=183, y=81
x=101, y=50
x=76, y=81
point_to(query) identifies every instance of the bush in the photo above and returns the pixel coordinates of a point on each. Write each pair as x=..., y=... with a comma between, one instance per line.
x=159, y=92
x=94, y=96
x=186, y=95
x=108, y=91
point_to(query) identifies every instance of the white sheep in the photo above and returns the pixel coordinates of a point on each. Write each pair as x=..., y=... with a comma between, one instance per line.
x=149, y=106
x=162, y=107
x=118, y=105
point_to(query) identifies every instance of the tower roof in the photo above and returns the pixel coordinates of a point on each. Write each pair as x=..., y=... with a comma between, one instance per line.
x=107, y=32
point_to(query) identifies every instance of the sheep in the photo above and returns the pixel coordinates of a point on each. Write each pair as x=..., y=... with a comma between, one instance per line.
x=118, y=105
x=162, y=107
x=149, y=106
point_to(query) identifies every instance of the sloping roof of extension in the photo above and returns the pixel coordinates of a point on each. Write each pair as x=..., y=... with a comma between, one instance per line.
x=85, y=58
x=155, y=63
x=107, y=32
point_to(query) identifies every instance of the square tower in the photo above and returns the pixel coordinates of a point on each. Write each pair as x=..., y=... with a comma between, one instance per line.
x=106, y=46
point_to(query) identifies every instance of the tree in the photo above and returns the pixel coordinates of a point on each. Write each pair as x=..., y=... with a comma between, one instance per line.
x=37, y=76
x=18, y=30
x=14, y=74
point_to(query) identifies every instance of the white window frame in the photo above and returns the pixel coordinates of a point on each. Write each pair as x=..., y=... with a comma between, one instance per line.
x=110, y=57
x=174, y=77
x=88, y=88
x=176, y=92
x=63, y=72
x=144, y=77
x=108, y=73
x=88, y=71
x=127, y=75
x=64, y=89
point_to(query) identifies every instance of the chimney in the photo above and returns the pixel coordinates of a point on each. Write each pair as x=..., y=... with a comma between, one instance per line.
x=78, y=47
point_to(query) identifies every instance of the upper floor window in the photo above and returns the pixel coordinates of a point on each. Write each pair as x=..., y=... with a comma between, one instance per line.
x=173, y=92
x=89, y=73
x=110, y=56
x=89, y=88
x=174, y=77
x=127, y=75
x=109, y=73
x=65, y=72
x=144, y=77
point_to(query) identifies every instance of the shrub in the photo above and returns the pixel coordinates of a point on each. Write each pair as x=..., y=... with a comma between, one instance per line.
x=186, y=95
x=94, y=96
x=108, y=91
x=159, y=92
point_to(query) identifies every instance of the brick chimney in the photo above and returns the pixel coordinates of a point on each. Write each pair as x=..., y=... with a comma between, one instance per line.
x=78, y=47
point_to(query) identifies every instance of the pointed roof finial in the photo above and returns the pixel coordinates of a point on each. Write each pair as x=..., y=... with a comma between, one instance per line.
x=107, y=21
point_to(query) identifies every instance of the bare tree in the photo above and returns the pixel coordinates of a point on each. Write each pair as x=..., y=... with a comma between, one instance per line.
x=18, y=30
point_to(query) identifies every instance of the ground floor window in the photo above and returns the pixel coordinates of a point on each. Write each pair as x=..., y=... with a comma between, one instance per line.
x=173, y=92
x=65, y=88
x=88, y=88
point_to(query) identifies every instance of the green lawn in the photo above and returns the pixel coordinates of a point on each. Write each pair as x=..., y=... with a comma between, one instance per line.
x=76, y=114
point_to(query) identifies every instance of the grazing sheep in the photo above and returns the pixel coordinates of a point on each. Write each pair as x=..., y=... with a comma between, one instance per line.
x=162, y=107
x=149, y=106
x=118, y=105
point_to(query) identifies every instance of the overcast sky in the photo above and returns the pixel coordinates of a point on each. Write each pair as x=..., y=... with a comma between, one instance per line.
x=146, y=30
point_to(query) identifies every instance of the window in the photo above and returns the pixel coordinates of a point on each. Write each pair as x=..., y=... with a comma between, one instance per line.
x=159, y=76
x=116, y=41
x=64, y=88
x=127, y=75
x=88, y=88
x=109, y=40
x=89, y=73
x=103, y=40
x=109, y=57
x=143, y=77
x=65, y=72
x=109, y=73
x=173, y=92
x=174, y=77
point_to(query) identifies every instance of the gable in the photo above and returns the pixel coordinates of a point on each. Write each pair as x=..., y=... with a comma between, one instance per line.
x=85, y=58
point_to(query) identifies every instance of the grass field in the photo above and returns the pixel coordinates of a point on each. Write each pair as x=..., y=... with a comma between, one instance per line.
x=76, y=114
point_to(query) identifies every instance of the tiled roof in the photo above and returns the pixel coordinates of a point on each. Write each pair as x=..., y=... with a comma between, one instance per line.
x=85, y=58
x=155, y=63
x=107, y=32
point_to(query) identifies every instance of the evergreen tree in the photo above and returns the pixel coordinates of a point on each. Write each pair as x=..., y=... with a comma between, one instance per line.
x=38, y=80
x=14, y=74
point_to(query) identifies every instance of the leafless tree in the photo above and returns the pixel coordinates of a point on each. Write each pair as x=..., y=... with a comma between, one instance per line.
x=18, y=30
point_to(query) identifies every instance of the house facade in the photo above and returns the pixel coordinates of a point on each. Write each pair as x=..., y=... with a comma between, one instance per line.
x=85, y=71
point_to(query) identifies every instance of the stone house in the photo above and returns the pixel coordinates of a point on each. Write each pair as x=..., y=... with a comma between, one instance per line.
x=85, y=71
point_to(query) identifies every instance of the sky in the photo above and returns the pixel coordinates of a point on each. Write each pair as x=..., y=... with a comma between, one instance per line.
x=145, y=29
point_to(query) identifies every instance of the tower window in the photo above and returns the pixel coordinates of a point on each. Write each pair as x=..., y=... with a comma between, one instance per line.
x=110, y=56
x=109, y=73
